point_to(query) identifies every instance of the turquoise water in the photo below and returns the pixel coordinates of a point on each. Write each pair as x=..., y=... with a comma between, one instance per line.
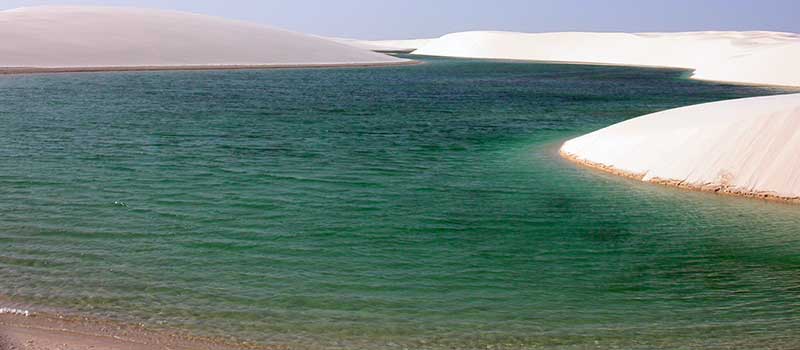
x=420, y=207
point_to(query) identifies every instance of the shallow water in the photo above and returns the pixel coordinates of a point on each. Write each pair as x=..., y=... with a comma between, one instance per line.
x=420, y=206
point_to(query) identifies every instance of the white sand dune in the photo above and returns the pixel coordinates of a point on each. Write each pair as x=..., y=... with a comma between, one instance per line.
x=386, y=45
x=747, y=147
x=745, y=57
x=80, y=36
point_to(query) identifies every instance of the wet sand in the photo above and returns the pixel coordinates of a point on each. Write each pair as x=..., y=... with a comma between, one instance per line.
x=711, y=188
x=54, y=332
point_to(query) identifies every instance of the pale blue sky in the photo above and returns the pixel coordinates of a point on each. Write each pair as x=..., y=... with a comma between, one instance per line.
x=430, y=18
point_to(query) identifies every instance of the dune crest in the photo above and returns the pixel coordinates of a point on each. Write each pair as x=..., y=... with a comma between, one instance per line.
x=744, y=147
x=85, y=36
x=744, y=57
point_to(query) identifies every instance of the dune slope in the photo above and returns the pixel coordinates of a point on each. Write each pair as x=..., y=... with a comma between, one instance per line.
x=745, y=57
x=79, y=36
x=746, y=147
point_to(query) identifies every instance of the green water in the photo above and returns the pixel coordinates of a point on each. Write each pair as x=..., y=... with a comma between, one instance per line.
x=419, y=207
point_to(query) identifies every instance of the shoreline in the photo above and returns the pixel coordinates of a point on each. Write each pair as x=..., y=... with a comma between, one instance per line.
x=54, y=70
x=744, y=57
x=689, y=70
x=41, y=331
x=709, y=188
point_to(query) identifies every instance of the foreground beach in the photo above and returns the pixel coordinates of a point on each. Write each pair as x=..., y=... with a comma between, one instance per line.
x=58, y=332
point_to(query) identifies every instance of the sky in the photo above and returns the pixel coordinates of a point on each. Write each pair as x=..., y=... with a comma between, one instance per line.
x=403, y=19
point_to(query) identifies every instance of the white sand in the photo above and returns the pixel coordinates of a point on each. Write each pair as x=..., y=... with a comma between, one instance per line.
x=745, y=57
x=79, y=36
x=748, y=146
x=386, y=45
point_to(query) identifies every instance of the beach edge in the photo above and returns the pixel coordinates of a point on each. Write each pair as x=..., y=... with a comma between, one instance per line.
x=221, y=67
x=43, y=331
x=708, y=188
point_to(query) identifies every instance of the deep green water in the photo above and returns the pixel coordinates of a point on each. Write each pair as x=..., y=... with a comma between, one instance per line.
x=419, y=207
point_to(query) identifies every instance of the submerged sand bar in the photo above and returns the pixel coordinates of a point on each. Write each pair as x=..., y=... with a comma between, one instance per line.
x=748, y=147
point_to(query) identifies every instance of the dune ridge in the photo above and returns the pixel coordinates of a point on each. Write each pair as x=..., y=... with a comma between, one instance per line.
x=88, y=36
x=756, y=57
x=745, y=147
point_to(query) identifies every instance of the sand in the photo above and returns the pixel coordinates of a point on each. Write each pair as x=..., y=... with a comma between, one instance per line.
x=747, y=147
x=52, y=332
x=61, y=37
x=743, y=57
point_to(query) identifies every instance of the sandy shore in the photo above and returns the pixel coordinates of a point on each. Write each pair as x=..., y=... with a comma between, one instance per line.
x=710, y=188
x=745, y=147
x=36, y=70
x=51, y=332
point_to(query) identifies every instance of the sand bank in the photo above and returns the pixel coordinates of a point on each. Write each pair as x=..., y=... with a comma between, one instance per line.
x=62, y=37
x=742, y=57
x=52, y=332
x=747, y=147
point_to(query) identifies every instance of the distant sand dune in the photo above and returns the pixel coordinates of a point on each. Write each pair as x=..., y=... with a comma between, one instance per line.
x=744, y=57
x=386, y=45
x=79, y=36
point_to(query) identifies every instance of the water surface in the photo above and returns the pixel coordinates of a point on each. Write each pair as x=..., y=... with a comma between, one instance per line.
x=420, y=206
